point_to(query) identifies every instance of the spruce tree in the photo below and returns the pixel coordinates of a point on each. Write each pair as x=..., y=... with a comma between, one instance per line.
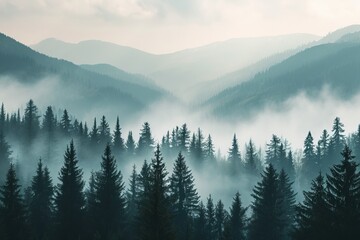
x=5, y=153
x=184, y=198
x=69, y=197
x=209, y=150
x=94, y=135
x=146, y=142
x=210, y=219
x=199, y=146
x=324, y=143
x=343, y=184
x=110, y=198
x=132, y=201
x=104, y=132
x=49, y=131
x=337, y=140
x=266, y=218
x=40, y=208
x=313, y=214
x=252, y=161
x=130, y=144
x=273, y=152
x=234, y=157
x=65, y=123
x=184, y=137
x=220, y=218
x=31, y=121
x=200, y=223
x=309, y=167
x=2, y=118
x=237, y=221
x=155, y=219
x=118, y=141
x=12, y=209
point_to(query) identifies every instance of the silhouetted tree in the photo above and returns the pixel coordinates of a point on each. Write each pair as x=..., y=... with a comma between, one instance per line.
x=31, y=121
x=252, y=161
x=5, y=153
x=130, y=144
x=184, y=138
x=118, y=141
x=210, y=219
x=234, y=157
x=209, y=150
x=69, y=197
x=65, y=123
x=237, y=221
x=220, y=218
x=146, y=142
x=40, y=207
x=104, y=132
x=12, y=210
x=273, y=152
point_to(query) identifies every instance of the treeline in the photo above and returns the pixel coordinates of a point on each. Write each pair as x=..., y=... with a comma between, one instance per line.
x=154, y=204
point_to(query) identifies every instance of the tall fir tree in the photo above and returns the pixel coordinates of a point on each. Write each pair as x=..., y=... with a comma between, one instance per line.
x=104, y=132
x=146, y=142
x=94, y=135
x=237, y=221
x=184, y=138
x=313, y=214
x=40, y=207
x=2, y=118
x=324, y=144
x=252, y=161
x=130, y=144
x=234, y=157
x=210, y=219
x=31, y=122
x=343, y=184
x=65, y=124
x=220, y=218
x=5, y=153
x=110, y=198
x=184, y=198
x=49, y=131
x=132, y=207
x=118, y=141
x=12, y=209
x=155, y=215
x=209, y=150
x=200, y=223
x=69, y=198
x=337, y=141
x=266, y=217
x=310, y=166
x=273, y=152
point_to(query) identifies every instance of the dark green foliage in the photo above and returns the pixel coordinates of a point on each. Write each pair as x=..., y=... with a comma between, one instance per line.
x=155, y=218
x=31, y=121
x=5, y=153
x=323, y=149
x=237, y=221
x=184, y=139
x=110, y=200
x=146, y=142
x=104, y=132
x=184, y=198
x=310, y=166
x=337, y=141
x=209, y=150
x=266, y=218
x=220, y=218
x=2, y=118
x=252, y=161
x=130, y=144
x=94, y=135
x=65, y=123
x=313, y=219
x=210, y=219
x=118, y=141
x=132, y=198
x=200, y=223
x=12, y=209
x=40, y=207
x=273, y=152
x=234, y=157
x=69, y=198
x=343, y=184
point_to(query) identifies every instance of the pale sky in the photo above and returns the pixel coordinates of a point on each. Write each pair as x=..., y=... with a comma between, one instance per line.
x=161, y=26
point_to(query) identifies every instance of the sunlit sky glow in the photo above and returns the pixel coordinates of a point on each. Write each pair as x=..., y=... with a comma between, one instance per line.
x=160, y=26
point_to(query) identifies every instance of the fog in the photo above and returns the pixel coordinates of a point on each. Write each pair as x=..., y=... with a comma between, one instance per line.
x=290, y=120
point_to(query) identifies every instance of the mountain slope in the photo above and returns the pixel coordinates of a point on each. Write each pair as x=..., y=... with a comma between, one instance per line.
x=72, y=86
x=333, y=65
x=179, y=70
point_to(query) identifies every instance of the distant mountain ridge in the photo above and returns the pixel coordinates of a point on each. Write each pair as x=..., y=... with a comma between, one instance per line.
x=180, y=70
x=78, y=90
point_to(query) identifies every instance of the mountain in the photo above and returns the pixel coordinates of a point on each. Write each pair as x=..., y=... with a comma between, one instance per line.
x=180, y=70
x=334, y=65
x=219, y=84
x=64, y=84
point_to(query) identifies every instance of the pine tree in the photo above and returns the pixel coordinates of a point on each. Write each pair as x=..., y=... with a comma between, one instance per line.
x=210, y=219
x=5, y=153
x=12, y=209
x=309, y=165
x=234, y=157
x=2, y=118
x=184, y=137
x=154, y=210
x=94, y=135
x=104, y=132
x=252, y=160
x=132, y=198
x=130, y=144
x=273, y=152
x=324, y=143
x=237, y=221
x=91, y=209
x=65, y=123
x=220, y=217
x=200, y=223
x=209, y=150
x=49, y=130
x=313, y=215
x=337, y=140
x=287, y=205
x=118, y=141
x=109, y=198
x=146, y=142
x=69, y=197
x=40, y=210
x=31, y=121
x=343, y=185
x=199, y=146
x=266, y=218
x=184, y=198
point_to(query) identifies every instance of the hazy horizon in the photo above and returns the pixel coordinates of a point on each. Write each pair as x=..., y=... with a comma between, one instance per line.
x=169, y=26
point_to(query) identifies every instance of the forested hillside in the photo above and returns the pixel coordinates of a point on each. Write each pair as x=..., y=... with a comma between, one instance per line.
x=90, y=198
